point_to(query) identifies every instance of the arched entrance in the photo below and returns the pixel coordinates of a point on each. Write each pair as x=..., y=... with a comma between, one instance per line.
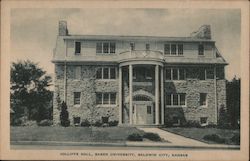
x=143, y=108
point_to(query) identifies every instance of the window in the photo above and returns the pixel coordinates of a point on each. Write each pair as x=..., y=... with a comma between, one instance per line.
x=98, y=47
x=106, y=98
x=178, y=99
x=105, y=47
x=166, y=49
x=173, y=49
x=112, y=47
x=180, y=49
x=112, y=98
x=112, y=73
x=99, y=98
x=99, y=73
x=77, y=98
x=77, y=47
x=201, y=74
x=147, y=47
x=168, y=74
x=175, y=74
x=106, y=73
x=77, y=121
x=203, y=99
x=132, y=46
x=77, y=72
x=149, y=110
x=203, y=120
x=201, y=49
x=148, y=74
x=210, y=73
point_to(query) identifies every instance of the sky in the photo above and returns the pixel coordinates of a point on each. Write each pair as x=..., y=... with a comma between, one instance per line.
x=34, y=31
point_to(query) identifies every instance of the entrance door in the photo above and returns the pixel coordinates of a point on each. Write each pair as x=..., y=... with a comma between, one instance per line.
x=143, y=114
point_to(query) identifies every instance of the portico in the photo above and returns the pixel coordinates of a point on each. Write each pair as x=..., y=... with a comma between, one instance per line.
x=141, y=91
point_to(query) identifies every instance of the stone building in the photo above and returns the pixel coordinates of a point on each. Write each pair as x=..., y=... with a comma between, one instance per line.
x=139, y=80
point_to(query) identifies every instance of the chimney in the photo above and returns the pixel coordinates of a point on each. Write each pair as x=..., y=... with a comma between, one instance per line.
x=63, y=31
x=204, y=32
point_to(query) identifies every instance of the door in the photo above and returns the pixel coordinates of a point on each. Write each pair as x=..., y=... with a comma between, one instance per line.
x=143, y=114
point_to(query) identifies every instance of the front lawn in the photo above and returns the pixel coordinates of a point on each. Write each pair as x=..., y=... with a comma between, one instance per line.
x=199, y=133
x=74, y=134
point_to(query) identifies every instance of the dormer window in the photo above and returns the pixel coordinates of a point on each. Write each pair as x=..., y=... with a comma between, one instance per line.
x=147, y=47
x=77, y=47
x=201, y=49
x=105, y=47
x=132, y=46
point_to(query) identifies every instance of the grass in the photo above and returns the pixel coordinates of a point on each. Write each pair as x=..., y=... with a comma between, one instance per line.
x=199, y=133
x=74, y=134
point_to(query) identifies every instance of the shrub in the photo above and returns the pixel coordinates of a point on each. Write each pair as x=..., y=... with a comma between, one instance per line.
x=193, y=123
x=30, y=123
x=152, y=136
x=85, y=123
x=135, y=137
x=64, y=115
x=113, y=123
x=45, y=123
x=98, y=124
x=214, y=137
x=236, y=139
x=19, y=121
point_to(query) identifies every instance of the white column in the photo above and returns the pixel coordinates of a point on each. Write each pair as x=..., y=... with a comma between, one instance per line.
x=120, y=95
x=130, y=94
x=162, y=96
x=157, y=94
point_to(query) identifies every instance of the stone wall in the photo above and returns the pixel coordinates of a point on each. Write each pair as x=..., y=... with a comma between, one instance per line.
x=88, y=86
x=193, y=111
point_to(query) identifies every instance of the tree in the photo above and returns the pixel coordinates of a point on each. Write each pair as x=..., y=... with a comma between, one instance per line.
x=30, y=95
x=233, y=101
x=64, y=115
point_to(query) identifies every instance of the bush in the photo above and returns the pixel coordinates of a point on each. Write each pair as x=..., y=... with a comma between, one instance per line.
x=98, y=124
x=236, y=139
x=30, y=123
x=152, y=136
x=113, y=123
x=64, y=115
x=45, y=123
x=19, y=121
x=193, y=123
x=214, y=137
x=135, y=137
x=85, y=123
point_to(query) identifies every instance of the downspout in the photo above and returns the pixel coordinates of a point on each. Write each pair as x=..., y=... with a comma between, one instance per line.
x=215, y=93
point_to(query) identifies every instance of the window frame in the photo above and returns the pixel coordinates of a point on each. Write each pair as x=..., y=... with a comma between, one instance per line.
x=108, y=101
x=172, y=74
x=74, y=98
x=79, y=47
x=109, y=73
x=132, y=46
x=109, y=50
x=202, y=102
x=178, y=100
x=201, y=50
x=147, y=47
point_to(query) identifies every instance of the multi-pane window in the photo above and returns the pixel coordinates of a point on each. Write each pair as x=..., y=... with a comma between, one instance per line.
x=203, y=99
x=180, y=49
x=173, y=49
x=77, y=72
x=201, y=49
x=132, y=46
x=77, y=98
x=77, y=47
x=175, y=74
x=106, y=73
x=105, y=47
x=106, y=98
x=147, y=47
x=167, y=49
x=178, y=99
